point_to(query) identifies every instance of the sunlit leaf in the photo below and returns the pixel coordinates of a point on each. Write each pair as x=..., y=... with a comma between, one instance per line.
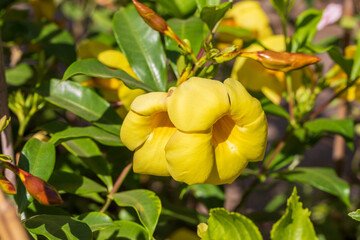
x=295, y=224
x=146, y=204
x=212, y=14
x=355, y=215
x=224, y=225
x=124, y=230
x=142, y=47
x=96, y=220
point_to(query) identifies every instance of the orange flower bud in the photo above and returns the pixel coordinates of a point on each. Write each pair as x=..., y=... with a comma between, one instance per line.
x=281, y=61
x=40, y=190
x=7, y=186
x=150, y=17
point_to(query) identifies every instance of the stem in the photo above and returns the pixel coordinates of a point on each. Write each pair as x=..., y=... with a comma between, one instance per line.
x=116, y=186
x=6, y=135
x=338, y=153
x=290, y=92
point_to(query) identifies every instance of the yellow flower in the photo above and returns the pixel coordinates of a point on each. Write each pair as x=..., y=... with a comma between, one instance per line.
x=202, y=131
x=258, y=79
x=43, y=9
x=339, y=79
x=112, y=89
x=248, y=15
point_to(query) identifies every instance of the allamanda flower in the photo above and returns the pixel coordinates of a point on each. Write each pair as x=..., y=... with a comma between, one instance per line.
x=202, y=131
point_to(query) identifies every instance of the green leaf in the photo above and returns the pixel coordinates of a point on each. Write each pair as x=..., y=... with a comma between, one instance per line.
x=273, y=109
x=87, y=150
x=207, y=3
x=96, y=220
x=355, y=71
x=83, y=102
x=324, y=179
x=320, y=127
x=306, y=28
x=37, y=158
x=56, y=227
x=225, y=225
x=146, y=204
x=191, y=29
x=94, y=68
x=19, y=74
x=212, y=14
x=73, y=183
x=345, y=63
x=295, y=224
x=210, y=195
x=176, y=8
x=283, y=7
x=142, y=47
x=236, y=31
x=355, y=215
x=57, y=42
x=124, y=230
x=95, y=133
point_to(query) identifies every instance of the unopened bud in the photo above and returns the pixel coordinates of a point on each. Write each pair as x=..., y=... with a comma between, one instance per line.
x=40, y=190
x=7, y=186
x=150, y=17
x=227, y=54
x=281, y=61
x=4, y=123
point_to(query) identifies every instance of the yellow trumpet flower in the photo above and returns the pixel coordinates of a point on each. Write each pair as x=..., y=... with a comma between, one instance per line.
x=202, y=131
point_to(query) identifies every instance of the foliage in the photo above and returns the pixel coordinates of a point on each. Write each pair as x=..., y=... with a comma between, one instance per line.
x=103, y=94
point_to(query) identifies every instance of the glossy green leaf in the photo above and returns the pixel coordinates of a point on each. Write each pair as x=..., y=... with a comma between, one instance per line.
x=355, y=215
x=324, y=179
x=57, y=227
x=322, y=126
x=83, y=102
x=146, y=204
x=18, y=75
x=207, y=3
x=295, y=224
x=192, y=29
x=87, y=150
x=306, y=28
x=355, y=71
x=124, y=230
x=37, y=158
x=212, y=14
x=225, y=225
x=345, y=63
x=273, y=109
x=57, y=42
x=176, y=8
x=142, y=47
x=94, y=68
x=73, y=183
x=95, y=133
x=236, y=31
x=96, y=220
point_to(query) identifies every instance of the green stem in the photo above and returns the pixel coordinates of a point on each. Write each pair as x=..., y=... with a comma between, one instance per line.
x=291, y=97
x=116, y=186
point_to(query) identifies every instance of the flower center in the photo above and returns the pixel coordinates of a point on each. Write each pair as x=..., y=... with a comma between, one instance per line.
x=222, y=130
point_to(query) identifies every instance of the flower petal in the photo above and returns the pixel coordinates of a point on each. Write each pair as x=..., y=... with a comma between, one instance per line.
x=127, y=95
x=150, y=157
x=150, y=103
x=116, y=59
x=197, y=104
x=244, y=108
x=190, y=157
x=139, y=122
x=91, y=49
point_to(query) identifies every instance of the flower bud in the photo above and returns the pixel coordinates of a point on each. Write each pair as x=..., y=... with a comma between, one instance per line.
x=7, y=186
x=150, y=17
x=4, y=123
x=281, y=61
x=40, y=190
x=227, y=54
